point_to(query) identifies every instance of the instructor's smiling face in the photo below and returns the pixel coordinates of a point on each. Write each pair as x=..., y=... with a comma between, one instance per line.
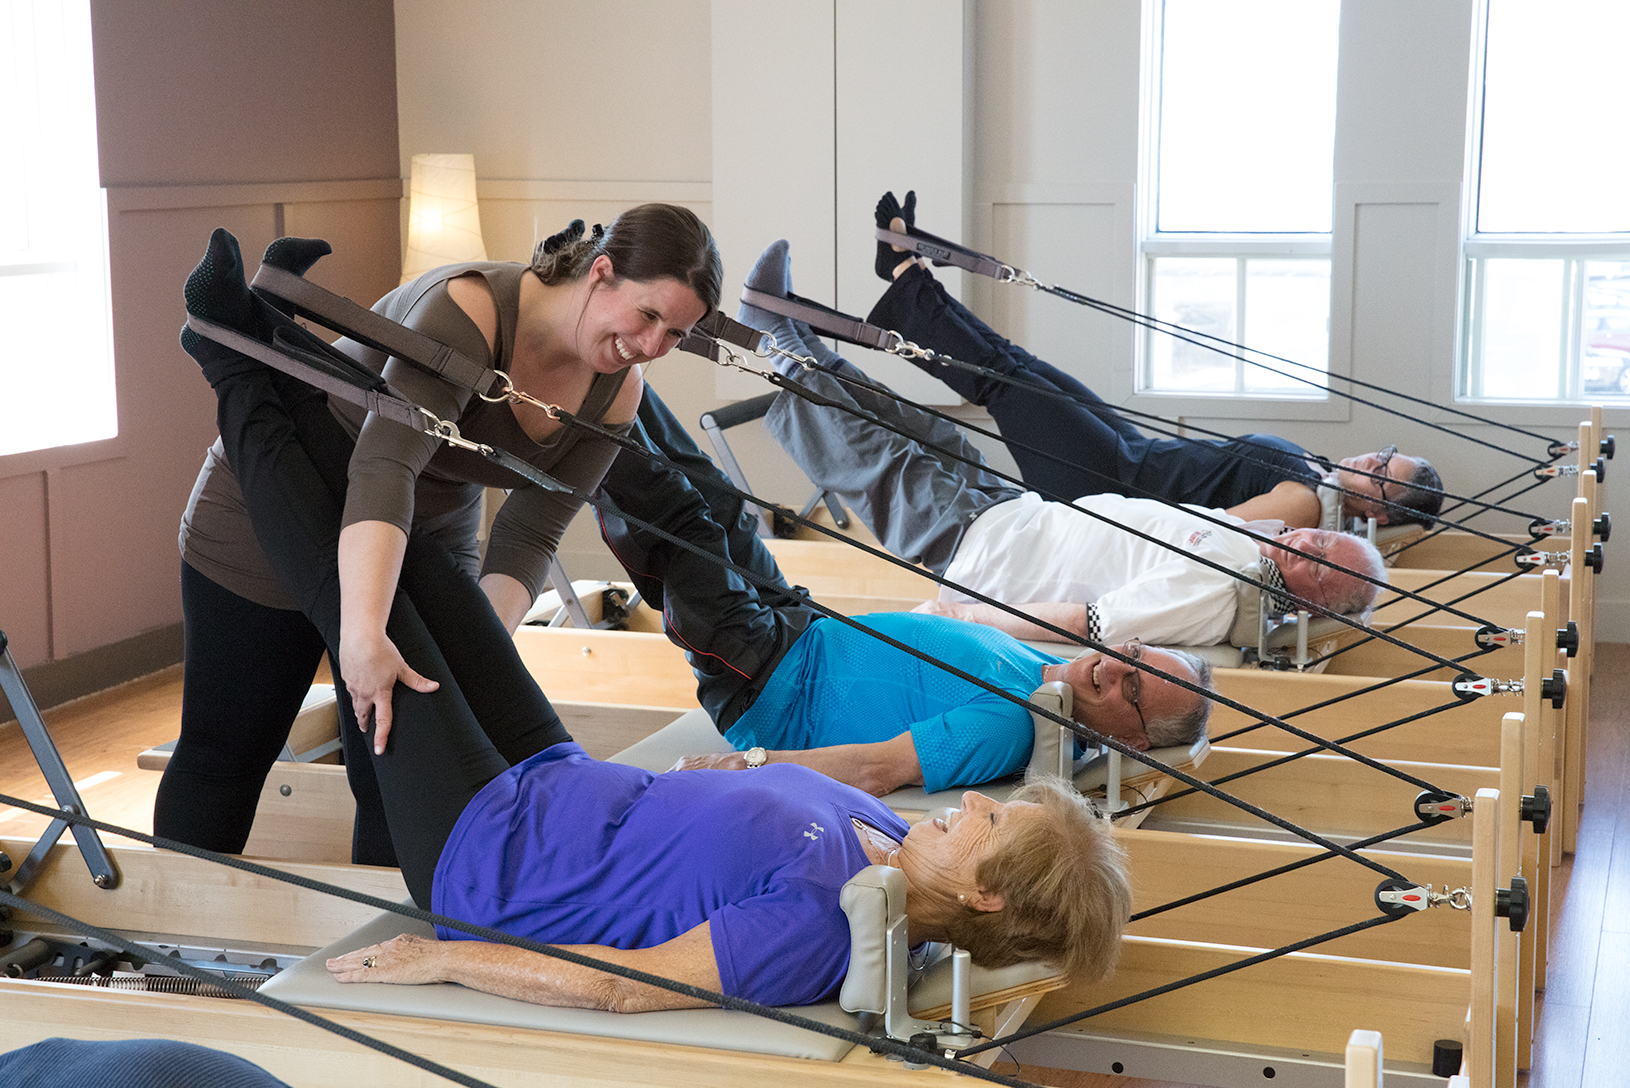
x=629, y=321
x=1116, y=699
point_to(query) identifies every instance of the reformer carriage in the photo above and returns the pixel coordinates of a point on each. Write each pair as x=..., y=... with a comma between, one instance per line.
x=1158, y=854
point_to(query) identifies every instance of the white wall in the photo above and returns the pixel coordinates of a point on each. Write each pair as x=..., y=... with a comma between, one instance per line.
x=1017, y=123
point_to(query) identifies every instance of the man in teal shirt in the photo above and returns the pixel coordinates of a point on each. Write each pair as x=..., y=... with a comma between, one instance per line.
x=784, y=684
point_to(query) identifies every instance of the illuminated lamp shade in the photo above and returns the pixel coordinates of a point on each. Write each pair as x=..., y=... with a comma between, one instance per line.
x=444, y=223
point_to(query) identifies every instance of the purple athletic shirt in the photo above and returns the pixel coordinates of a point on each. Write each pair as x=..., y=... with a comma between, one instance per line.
x=569, y=850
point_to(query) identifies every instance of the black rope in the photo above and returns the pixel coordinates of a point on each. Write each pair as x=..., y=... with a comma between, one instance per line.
x=1368, y=689
x=1002, y=272
x=497, y=936
x=1269, y=874
x=1323, y=659
x=527, y=471
x=1181, y=333
x=797, y=389
x=1078, y=729
x=1447, y=606
x=1218, y=972
x=1149, y=421
x=236, y=989
x=1462, y=502
x=1294, y=756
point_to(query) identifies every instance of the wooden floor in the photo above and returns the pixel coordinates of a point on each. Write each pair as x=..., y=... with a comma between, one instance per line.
x=1584, y=1023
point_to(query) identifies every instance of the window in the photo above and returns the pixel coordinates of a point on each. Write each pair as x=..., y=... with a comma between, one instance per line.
x=56, y=369
x=1547, y=271
x=1237, y=236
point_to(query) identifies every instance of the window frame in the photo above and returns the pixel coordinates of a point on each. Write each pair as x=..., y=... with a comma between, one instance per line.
x=1152, y=244
x=1476, y=246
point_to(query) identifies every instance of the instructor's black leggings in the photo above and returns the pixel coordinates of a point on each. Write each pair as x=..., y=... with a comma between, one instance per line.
x=488, y=713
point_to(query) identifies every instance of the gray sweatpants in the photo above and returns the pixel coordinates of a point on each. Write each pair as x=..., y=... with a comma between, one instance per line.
x=915, y=499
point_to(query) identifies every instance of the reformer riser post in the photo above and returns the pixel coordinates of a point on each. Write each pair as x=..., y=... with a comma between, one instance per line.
x=1512, y=1023
x=1576, y=714
x=1482, y=1031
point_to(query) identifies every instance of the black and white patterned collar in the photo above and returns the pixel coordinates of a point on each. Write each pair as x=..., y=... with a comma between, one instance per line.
x=1279, y=598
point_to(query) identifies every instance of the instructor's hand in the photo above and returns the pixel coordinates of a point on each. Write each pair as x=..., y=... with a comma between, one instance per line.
x=372, y=667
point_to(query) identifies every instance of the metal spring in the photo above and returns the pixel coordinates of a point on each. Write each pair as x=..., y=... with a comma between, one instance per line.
x=161, y=984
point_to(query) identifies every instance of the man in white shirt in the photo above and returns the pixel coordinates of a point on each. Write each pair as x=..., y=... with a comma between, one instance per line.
x=1141, y=569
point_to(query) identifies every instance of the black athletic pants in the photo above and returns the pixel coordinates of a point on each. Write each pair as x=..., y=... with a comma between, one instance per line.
x=733, y=629
x=488, y=713
x=1104, y=450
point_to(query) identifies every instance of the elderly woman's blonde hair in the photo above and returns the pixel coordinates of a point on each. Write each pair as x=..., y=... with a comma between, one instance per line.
x=1064, y=887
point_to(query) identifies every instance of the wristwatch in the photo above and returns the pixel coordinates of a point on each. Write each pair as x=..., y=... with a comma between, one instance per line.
x=755, y=757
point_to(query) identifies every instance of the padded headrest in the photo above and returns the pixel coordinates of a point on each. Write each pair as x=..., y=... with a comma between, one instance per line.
x=1053, y=750
x=871, y=899
x=1282, y=635
x=1247, y=608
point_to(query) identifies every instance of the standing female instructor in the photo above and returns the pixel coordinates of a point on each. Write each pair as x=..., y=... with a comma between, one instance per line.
x=572, y=329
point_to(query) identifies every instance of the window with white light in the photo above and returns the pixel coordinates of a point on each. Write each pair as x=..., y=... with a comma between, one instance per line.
x=1236, y=244
x=1547, y=272
x=56, y=367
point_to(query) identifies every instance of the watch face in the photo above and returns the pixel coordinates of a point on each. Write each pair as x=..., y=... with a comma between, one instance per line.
x=756, y=757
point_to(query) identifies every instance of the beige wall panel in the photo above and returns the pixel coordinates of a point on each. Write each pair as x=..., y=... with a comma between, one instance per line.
x=24, y=591
x=366, y=262
x=114, y=558
x=596, y=89
x=1056, y=242
x=198, y=92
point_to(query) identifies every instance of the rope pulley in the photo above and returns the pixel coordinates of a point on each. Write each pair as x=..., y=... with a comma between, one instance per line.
x=1400, y=897
x=1468, y=686
x=1561, y=449
x=1512, y=904
x=1527, y=558
x=1601, y=528
x=1436, y=806
x=1535, y=810
x=1493, y=637
x=1549, y=472
x=1567, y=639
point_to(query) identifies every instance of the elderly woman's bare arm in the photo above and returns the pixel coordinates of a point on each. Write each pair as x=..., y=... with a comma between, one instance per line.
x=543, y=980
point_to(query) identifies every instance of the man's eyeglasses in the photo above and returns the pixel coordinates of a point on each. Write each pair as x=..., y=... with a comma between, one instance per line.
x=1132, y=682
x=1383, y=459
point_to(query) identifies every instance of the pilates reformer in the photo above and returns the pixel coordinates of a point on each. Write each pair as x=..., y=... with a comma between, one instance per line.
x=139, y=1010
